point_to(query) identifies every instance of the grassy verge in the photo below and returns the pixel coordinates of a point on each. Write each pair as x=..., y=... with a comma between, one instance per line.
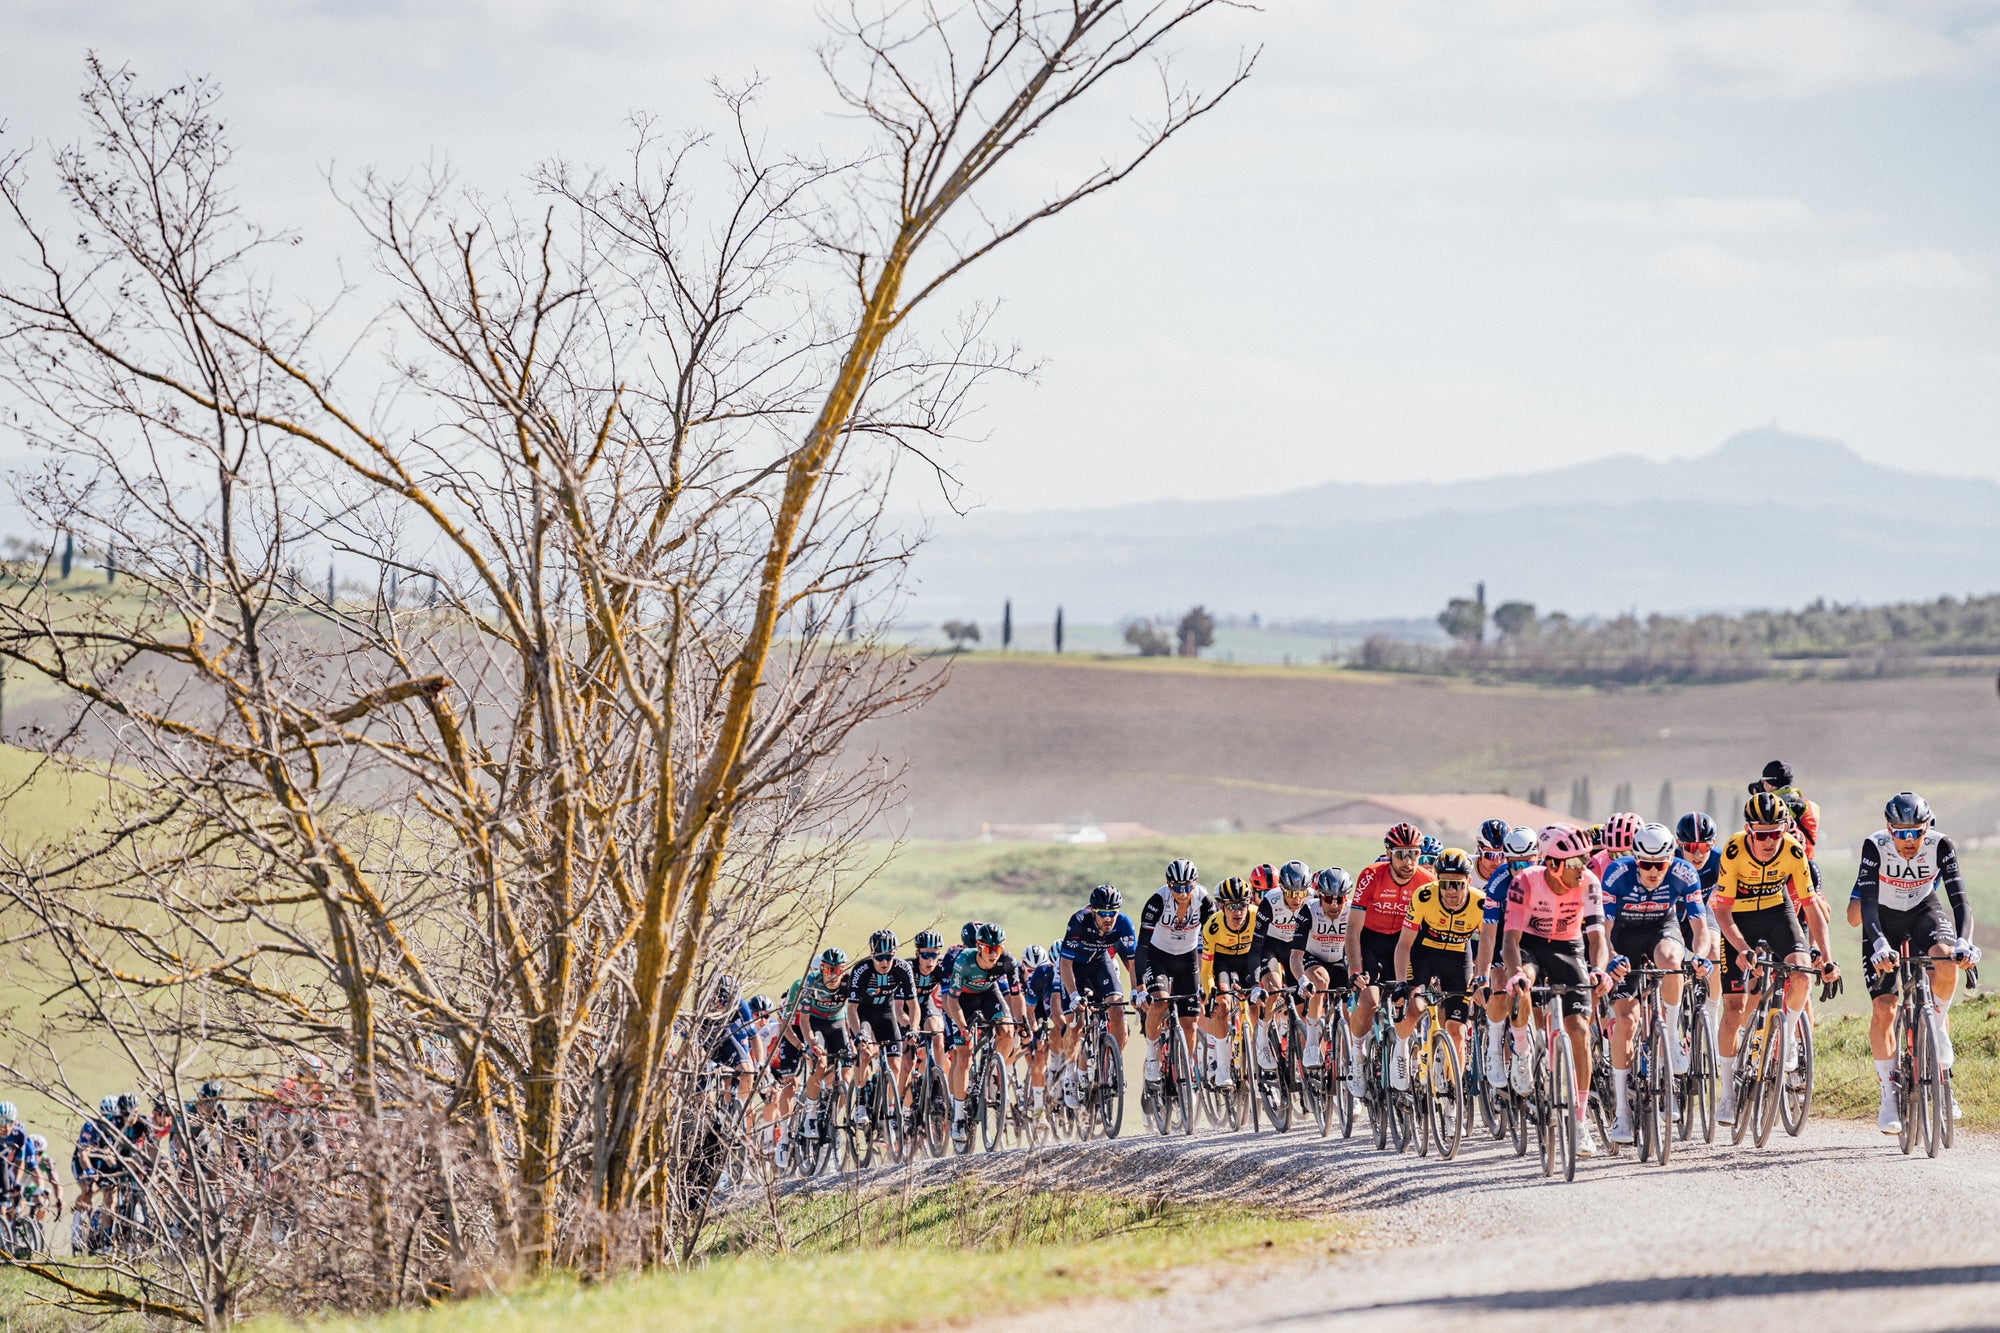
x=885, y=1262
x=1844, y=1077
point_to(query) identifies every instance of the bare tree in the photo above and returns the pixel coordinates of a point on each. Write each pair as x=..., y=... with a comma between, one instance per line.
x=485, y=852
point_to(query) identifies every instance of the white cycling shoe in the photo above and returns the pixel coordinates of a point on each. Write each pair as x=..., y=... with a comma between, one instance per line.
x=1621, y=1129
x=1886, y=1118
x=1586, y=1142
x=1522, y=1073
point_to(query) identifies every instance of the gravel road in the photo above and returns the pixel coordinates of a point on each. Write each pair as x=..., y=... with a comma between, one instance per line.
x=1835, y=1227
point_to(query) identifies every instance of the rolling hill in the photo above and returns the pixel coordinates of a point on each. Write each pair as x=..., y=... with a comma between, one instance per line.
x=1769, y=519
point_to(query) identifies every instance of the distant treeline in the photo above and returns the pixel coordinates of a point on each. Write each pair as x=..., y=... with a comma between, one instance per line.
x=1866, y=640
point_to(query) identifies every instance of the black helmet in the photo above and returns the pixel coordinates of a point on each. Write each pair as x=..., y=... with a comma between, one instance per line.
x=992, y=934
x=1454, y=862
x=1493, y=835
x=760, y=1005
x=1180, y=870
x=968, y=934
x=725, y=991
x=128, y=1103
x=928, y=939
x=882, y=942
x=1766, y=807
x=1332, y=882
x=1695, y=827
x=1292, y=876
x=1104, y=898
x=209, y=1091
x=1232, y=892
x=1906, y=809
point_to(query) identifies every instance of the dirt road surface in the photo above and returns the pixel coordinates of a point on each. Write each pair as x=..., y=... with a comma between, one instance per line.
x=1834, y=1230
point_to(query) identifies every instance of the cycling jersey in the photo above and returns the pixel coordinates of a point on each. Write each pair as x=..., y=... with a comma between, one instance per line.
x=816, y=998
x=1750, y=885
x=968, y=977
x=927, y=983
x=1442, y=927
x=872, y=988
x=1285, y=920
x=1085, y=942
x=1041, y=984
x=1902, y=884
x=1677, y=895
x=1495, y=894
x=1711, y=869
x=1239, y=947
x=1324, y=937
x=1383, y=900
x=1166, y=929
x=18, y=1159
x=1538, y=909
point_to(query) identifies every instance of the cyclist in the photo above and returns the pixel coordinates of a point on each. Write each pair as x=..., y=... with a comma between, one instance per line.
x=1434, y=949
x=817, y=1005
x=96, y=1165
x=1284, y=911
x=1554, y=932
x=1098, y=936
x=1263, y=879
x=927, y=974
x=1902, y=867
x=983, y=979
x=1650, y=898
x=882, y=1006
x=1232, y=950
x=1618, y=834
x=1695, y=834
x=43, y=1181
x=18, y=1163
x=1319, y=951
x=1169, y=936
x=1381, y=902
x=1519, y=849
x=1042, y=995
x=1428, y=851
x=727, y=1030
x=1765, y=885
x=1777, y=777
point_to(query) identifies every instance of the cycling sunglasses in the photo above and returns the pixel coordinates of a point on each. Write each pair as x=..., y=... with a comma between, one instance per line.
x=928, y=955
x=1907, y=834
x=1396, y=853
x=1765, y=834
x=1696, y=848
x=1572, y=862
x=1652, y=865
x=1105, y=916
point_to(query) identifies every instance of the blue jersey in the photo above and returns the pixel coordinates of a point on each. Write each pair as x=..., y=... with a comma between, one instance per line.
x=1495, y=911
x=17, y=1155
x=1711, y=869
x=1085, y=943
x=1040, y=984
x=1677, y=895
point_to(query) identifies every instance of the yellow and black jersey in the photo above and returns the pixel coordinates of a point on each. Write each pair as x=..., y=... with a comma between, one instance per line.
x=1439, y=927
x=1750, y=885
x=1239, y=947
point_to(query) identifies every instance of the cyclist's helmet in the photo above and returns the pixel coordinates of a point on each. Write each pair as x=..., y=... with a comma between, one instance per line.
x=128, y=1103
x=726, y=990
x=1428, y=849
x=1453, y=861
x=1104, y=898
x=1493, y=835
x=1695, y=827
x=107, y=1107
x=310, y=1065
x=1618, y=831
x=1767, y=808
x=1034, y=956
x=1332, y=882
x=1520, y=843
x=1596, y=835
x=928, y=939
x=760, y=1005
x=1181, y=871
x=40, y=1143
x=1906, y=809
x=1559, y=842
x=992, y=934
x=968, y=934
x=833, y=956
x=209, y=1091
x=9, y=1113
x=1232, y=892
x=1402, y=835
x=1654, y=842
x=1292, y=877
x=1263, y=878
x=883, y=943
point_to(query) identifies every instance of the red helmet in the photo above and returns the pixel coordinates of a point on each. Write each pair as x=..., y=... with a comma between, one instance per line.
x=1403, y=835
x=1263, y=879
x=1559, y=842
x=1618, y=832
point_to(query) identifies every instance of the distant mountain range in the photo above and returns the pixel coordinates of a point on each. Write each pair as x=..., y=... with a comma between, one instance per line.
x=1769, y=519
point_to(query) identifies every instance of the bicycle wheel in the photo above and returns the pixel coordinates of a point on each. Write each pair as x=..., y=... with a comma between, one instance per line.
x=1927, y=1084
x=806, y=1149
x=1771, y=1077
x=859, y=1139
x=1909, y=1041
x=1562, y=1108
x=1274, y=1088
x=1602, y=1099
x=992, y=1101
x=1944, y=1105
x=887, y=1117
x=1796, y=1103
x=1183, y=1061
x=1339, y=1090
x=1448, y=1103
x=1743, y=1083
x=1156, y=1106
x=1660, y=1117
x=1108, y=1087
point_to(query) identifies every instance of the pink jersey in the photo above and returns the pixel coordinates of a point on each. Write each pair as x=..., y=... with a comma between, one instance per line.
x=1598, y=862
x=1535, y=907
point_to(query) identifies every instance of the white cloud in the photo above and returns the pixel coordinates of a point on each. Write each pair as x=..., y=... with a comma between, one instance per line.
x=1703, y=215
x=1706, y=265
x=1924, y=270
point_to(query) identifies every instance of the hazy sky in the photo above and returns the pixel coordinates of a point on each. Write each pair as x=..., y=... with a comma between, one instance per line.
x=1428, y=240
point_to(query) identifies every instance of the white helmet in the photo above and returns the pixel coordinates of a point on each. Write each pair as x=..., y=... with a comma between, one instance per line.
x=1653, y=842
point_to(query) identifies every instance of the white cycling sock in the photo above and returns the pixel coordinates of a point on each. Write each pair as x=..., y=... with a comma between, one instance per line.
x=1619, y=1078
x=1496, y=1042
x=1885, y=1071
x=1522, y=1038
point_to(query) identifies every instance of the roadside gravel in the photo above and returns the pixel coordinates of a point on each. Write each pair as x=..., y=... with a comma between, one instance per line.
x=1836, y=1227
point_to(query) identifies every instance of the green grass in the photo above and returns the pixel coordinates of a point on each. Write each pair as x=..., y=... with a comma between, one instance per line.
x=883, y=1262
x=1844, y=1069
